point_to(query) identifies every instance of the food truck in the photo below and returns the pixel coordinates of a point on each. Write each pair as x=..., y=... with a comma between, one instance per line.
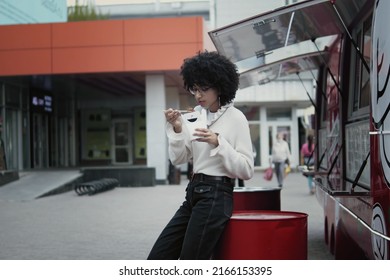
x=345, y=46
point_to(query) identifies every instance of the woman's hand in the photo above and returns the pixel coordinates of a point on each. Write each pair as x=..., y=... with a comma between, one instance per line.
x=173, y=117
x=206, y=135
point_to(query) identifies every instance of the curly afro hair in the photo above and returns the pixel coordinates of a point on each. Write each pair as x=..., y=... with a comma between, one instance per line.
x=210, y=69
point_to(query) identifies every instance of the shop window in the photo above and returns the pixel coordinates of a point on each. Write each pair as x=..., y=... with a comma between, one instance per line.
x=250, y=112
x=97, y=140
x=25, y=98
x=279, y=114
x=12, y=96
x=2, y=86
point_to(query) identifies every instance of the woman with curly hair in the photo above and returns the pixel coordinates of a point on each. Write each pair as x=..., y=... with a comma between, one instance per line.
x=221, y=151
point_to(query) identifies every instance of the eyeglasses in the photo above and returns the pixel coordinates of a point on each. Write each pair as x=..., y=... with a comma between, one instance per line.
x=201, y=90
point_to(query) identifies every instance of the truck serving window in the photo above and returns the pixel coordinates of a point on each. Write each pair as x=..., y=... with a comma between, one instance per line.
x=361, y=87
x=357, y=127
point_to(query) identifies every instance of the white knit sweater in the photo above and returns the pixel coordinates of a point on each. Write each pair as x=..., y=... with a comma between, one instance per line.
x=233, y=157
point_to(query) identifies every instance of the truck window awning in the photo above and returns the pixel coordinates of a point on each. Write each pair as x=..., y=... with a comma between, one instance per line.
x=288, y=40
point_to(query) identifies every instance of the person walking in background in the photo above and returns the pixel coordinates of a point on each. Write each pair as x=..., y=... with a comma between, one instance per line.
x=307, y=159
x=220, y=153
x=280, y=157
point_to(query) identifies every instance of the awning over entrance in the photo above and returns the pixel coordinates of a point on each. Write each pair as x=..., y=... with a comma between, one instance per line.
x=285, y=41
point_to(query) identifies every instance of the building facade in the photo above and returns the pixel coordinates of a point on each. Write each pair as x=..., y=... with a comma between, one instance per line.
x=73, y=97
x=92, y=93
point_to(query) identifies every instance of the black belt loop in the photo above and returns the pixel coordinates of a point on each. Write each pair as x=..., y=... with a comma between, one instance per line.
x=207, y=178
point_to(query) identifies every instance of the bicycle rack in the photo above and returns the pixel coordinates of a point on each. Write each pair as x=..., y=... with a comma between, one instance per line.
x=96, y=186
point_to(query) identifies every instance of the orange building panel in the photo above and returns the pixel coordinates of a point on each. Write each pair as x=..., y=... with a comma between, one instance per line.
x=99, y=46
x=88, y=33
x=88, y=60
x=167, y=30
x=157, y=57
x=25, y=36
x=25, y=62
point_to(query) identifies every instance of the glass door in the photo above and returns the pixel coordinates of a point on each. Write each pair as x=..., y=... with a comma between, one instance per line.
x=122, y=144
x=40, y=140
x=63, y=142
x=10, y=152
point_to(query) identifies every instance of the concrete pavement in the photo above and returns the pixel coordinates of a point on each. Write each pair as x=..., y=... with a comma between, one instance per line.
x=120, y=224
x=35, y=184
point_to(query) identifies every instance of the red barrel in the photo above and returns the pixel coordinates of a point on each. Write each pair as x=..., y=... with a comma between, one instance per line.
x=264, y=235
x=256, y=198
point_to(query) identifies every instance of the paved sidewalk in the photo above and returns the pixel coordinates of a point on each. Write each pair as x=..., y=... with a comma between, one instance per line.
x=121, y=224
x=35, y=184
